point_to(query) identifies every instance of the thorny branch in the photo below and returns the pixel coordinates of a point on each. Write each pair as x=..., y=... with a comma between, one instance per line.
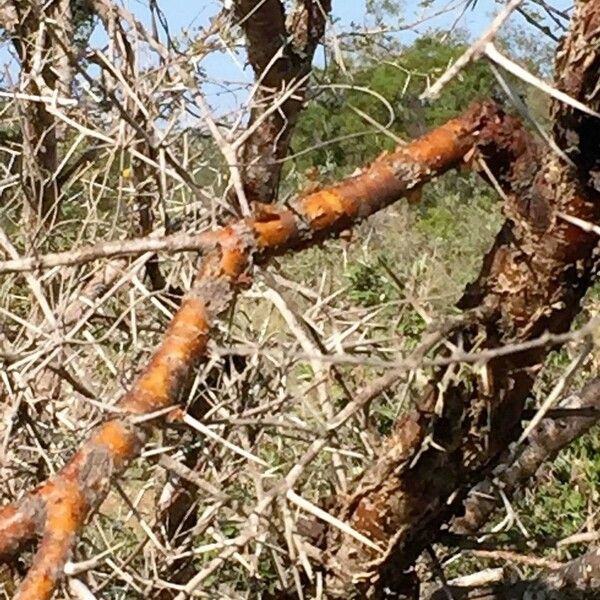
x=58, y=510
x=532, y=281
x=45, y=70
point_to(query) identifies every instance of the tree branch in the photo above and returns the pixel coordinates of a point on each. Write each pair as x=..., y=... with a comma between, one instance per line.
x=543, y=445
x=316, y=215
x=46, y=69
x=57, y=510
x=532, y=281
x=281, y=55
x=576, y=580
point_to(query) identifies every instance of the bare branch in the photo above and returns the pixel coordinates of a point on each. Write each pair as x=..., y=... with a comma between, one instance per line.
x=383, y=182
x=46, y=70
x=280, y=51
x=58, y=509
x=544, y=443
x=575, y=580
x=475, y=50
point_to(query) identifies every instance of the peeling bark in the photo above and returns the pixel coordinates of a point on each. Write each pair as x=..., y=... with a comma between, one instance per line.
x=57, y=510
x=531, y=282
x=280, y=52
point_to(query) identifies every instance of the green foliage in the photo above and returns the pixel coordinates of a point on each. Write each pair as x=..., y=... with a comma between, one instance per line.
x=567, y=493
x=368, y=286
x=386, y=88
x=84, y=21
x=439, y=222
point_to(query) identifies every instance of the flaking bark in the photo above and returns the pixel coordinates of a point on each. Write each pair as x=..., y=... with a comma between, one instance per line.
x=57, y=510
x=531, y=282
x=280, y=51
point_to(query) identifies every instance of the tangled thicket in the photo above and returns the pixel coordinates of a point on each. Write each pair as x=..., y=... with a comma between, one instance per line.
x=251, y=420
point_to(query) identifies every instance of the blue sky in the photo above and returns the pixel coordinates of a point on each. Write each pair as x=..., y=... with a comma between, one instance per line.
x=226, y=74
x=182, y=13
x=224, y=70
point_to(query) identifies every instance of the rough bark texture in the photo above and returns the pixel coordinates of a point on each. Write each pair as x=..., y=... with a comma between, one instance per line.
x=531, y=282
x=58, y=509
x=280, y=52
x=579, y=579
x=543, y=445
x=577, y=64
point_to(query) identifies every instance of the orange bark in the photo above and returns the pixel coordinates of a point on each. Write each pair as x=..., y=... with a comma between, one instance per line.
x=58, y=509
x=531, y=282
